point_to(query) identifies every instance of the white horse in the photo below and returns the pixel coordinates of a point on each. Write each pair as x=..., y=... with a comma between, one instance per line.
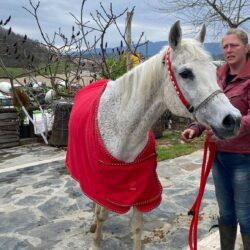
x=130, y=105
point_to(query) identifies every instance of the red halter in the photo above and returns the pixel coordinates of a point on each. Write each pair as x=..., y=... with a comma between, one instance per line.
x=189, y=107
x=175, y=84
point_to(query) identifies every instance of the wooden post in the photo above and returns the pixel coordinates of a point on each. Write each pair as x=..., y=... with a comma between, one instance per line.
x=128, y=39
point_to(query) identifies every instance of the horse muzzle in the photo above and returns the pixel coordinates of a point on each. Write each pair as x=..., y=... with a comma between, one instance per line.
x=230, y=127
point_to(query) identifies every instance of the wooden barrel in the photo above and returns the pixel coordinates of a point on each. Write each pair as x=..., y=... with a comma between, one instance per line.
x=59, y=134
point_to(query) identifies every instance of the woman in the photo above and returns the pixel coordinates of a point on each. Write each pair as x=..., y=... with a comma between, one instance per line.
x=231, y=167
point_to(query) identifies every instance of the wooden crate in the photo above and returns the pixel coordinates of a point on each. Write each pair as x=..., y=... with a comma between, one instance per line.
x=9, y=130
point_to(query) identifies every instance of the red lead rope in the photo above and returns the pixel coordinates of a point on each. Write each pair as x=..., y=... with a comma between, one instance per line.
x=206, y=167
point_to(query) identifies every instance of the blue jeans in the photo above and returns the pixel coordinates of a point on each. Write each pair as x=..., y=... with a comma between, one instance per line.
x=231, y=174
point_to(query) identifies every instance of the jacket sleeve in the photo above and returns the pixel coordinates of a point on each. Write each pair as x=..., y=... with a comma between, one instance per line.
x=197, y=127
x=245, y=122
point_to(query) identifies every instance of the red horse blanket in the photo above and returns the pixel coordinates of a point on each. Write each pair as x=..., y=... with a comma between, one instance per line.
x=111, y=183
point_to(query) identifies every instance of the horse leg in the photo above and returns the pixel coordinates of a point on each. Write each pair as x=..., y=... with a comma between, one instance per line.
x=94, y=223
x=137, y=225
x=101, y=216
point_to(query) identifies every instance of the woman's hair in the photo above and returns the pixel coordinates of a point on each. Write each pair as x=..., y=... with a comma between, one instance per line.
x=240, y=33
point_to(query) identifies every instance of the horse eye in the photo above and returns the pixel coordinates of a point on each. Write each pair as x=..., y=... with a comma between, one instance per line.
x=187, y=74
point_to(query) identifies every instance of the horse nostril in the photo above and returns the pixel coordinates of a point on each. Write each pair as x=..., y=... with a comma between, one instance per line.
x=229, y=122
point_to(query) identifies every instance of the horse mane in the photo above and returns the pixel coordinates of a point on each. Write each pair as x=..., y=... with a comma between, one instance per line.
x=153, y=70
x=142, y=82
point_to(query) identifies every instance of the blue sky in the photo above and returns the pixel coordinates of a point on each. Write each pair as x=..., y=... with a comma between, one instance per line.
x=55, y=13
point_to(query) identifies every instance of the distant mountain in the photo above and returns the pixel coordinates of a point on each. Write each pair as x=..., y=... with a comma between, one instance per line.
x=214, y=49
x=19, y=51
x=154, y=47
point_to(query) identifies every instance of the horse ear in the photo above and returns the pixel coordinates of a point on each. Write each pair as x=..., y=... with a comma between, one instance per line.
x=201, y=36
x=175, y=35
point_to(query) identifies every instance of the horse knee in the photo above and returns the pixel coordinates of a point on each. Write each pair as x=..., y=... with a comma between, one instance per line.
x=137, y=230
x=93, y=227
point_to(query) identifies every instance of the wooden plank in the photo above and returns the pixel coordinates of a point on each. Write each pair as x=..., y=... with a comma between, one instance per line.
x=9, y=132
x=7, y=110
x=9, y=145
x=7, y=123
x=10, y=116
x=10, y=128
x=8, y=136
x=8, y=139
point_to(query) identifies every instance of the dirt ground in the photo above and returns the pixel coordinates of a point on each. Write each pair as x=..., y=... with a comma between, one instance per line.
x=85, y=79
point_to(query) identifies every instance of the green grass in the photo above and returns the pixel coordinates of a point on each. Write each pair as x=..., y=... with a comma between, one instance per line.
x=13, y=71
x=170, y=145
x=58, y=67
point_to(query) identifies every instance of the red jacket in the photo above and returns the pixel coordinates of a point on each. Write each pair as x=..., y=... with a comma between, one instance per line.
x=112, y=183
x=238, y=92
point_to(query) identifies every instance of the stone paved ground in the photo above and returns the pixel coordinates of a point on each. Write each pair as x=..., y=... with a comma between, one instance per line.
x=42, y=207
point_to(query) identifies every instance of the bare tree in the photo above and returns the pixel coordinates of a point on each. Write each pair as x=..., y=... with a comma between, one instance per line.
x=79, y=48
x=128, y=36
x=219, y=14
x=68, y=58
x=75, y=56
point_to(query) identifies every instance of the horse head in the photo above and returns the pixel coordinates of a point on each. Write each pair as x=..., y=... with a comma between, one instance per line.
x=191, y=79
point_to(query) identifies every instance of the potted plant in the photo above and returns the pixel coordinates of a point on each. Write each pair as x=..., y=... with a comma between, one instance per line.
x=24, y=126
x=20, y=100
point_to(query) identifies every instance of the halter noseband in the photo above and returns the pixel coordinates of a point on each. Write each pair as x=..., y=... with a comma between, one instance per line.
x=189, y=107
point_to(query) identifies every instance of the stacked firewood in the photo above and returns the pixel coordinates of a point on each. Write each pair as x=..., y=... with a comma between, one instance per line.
x=9, y=130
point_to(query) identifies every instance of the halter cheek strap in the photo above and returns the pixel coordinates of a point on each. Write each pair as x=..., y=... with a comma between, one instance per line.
x=189, y=107
x=175, y=84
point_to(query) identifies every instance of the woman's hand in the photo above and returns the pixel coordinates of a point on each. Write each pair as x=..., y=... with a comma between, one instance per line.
x=188, y=135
